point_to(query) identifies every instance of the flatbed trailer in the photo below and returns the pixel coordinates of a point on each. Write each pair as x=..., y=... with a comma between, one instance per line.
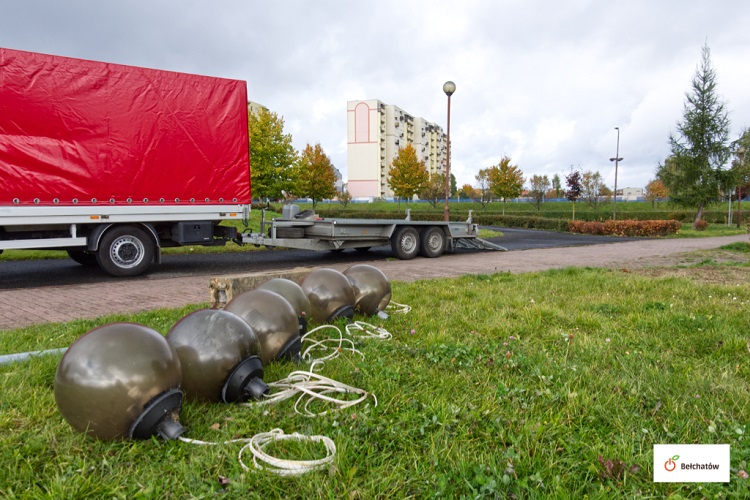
x=407, y=238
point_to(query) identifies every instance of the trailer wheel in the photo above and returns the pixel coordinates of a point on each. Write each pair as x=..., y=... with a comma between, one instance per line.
x=405, y=243
x=125, y=251
x=433, y=242
x=83, y=257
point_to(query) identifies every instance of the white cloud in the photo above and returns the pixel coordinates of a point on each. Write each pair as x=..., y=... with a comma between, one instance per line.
x=543, y=82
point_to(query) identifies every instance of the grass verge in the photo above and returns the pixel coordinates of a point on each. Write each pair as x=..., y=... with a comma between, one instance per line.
x=520, y=386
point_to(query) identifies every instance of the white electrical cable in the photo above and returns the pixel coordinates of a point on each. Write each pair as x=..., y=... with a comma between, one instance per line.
x=284, y=467
x=321, y=345
x=362, y=330
x=309, y=387
x=396, y=308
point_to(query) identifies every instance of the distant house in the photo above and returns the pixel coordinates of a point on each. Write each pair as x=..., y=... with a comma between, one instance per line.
x=630, y=194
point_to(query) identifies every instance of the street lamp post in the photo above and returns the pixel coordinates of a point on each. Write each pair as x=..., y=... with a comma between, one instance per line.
x=617, y=161
x=741, y=156
x=449, y=88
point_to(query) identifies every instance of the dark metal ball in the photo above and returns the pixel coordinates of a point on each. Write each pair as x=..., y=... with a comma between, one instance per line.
x=372, y=290
x=272, y=319
x=210, y=344
x=108, y=376
x=291, y=291
x=330, y=293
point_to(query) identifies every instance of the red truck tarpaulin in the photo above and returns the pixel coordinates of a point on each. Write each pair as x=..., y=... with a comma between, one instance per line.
x=73, y=131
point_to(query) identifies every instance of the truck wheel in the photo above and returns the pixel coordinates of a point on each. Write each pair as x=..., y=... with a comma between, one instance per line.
x=405, y=243
x=433, y=242
x=125, y=251
x=83, y=257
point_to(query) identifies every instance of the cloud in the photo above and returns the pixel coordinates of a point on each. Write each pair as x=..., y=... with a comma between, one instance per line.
x=544, y=83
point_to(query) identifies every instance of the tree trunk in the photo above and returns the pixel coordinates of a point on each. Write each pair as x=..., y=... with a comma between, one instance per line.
x=504, y=206
x=699, y=214
x=574, y=210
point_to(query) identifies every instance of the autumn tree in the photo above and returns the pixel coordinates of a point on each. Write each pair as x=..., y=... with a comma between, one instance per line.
x=741, y=163
x=469, y=192
x=656, y=192
x=344, y=196
x=538, y=186
x=434, y=190
x=700, y=147
x=483, y=186
x=593, y=189
x=407, y=175
x=316, y=176
x=272, y=156
x=506, y=180
x=575, y=188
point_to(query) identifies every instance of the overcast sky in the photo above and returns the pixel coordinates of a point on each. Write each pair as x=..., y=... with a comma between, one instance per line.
x=544, y=82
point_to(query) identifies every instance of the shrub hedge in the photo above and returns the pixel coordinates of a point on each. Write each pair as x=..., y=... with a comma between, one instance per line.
x=626, y=227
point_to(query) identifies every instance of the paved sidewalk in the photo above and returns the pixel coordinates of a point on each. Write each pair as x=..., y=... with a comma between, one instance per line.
x=19, y=308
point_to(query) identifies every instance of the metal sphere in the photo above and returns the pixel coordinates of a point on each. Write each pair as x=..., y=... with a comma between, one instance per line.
x=291, y=291
x=110, y=375
x=372, y=290
x=210, y=344
x=272, y=319
x=330, y=293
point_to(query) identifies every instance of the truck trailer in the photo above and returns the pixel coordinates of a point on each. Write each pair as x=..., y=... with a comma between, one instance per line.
x=112, y=163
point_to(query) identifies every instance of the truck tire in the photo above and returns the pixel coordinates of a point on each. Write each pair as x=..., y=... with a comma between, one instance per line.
x=83, y=257
x=433, y=242
x=405, y=243
x=125, y=251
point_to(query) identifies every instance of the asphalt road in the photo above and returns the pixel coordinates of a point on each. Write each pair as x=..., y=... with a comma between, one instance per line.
x=56, y=272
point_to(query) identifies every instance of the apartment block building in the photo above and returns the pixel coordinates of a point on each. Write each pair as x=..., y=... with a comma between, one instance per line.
x=375, y=133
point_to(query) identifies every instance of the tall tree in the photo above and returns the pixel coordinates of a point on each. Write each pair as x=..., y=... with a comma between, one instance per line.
x=656, y=192
x=538, y=186
x=700, y=147
x=557, y=185
x=594, y=191
x=483, y=186
x=407, y=175
x=575, y=188
x=741, y=163
x=434, y=190
x=506, y=180
x=316, y=178
x=272, y=156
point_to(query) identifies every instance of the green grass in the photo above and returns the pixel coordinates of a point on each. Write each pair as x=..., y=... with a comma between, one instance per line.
x=510, y=386
x=687, y=231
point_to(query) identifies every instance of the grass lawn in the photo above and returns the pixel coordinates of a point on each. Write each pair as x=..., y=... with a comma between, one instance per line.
x=519, y=386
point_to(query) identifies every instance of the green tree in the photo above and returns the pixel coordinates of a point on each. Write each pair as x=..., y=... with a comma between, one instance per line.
x=538, y=186
x=407, y=175
x=434, y=190
x=741, y=163
x=506, y=180
x=557, y=186
x=272, y=156
x=483, y=181
x=700, y=147
x=594, y=191
x=316, y=177
x=573, y=193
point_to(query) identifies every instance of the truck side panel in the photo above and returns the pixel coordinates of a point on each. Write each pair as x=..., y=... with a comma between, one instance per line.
x=77, y=132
